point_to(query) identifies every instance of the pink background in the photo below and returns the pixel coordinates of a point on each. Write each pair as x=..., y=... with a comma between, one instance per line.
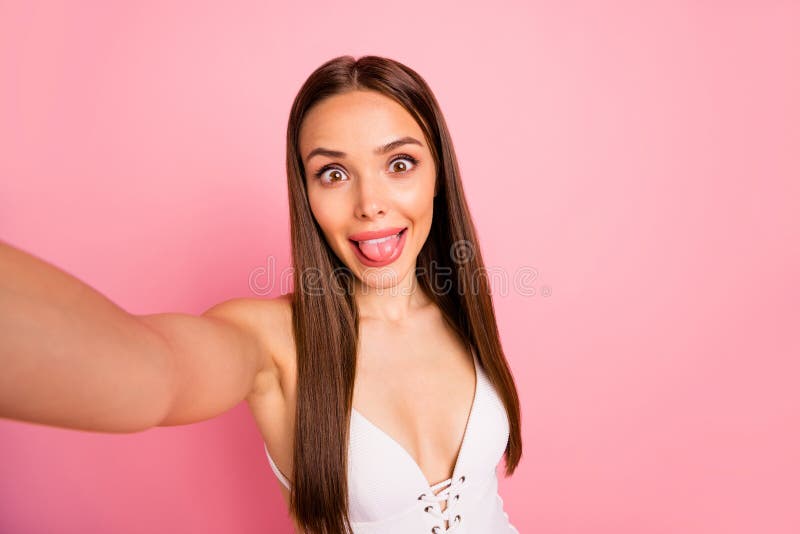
x=643, y=160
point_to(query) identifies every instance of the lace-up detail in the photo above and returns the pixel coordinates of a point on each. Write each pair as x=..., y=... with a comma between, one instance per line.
x=450, y=495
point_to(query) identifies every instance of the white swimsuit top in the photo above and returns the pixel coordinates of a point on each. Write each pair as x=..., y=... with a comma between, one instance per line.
x=389, y=493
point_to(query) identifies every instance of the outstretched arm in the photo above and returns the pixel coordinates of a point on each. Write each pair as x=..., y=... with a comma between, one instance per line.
x=70, y=357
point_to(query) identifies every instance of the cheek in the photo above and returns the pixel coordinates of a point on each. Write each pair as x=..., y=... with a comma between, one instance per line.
x=418, y=202
x=328, y=214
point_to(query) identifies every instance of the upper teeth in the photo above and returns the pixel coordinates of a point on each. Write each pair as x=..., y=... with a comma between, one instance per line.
x=382, y=239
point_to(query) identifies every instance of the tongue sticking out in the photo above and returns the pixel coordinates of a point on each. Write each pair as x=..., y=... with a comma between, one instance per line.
x=379, y=251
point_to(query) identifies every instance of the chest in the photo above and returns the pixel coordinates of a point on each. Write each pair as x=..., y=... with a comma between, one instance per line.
x=415, y=388
x=420, y=397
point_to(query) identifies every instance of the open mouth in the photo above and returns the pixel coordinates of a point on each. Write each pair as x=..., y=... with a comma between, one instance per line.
x=379, y=252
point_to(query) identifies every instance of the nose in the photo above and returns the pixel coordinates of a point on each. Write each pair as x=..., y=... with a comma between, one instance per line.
x=370, y=199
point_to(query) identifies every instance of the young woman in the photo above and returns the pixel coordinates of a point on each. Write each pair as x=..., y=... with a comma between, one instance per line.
x=379, y=385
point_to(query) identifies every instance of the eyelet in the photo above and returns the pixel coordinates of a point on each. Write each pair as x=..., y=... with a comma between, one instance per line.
x=457, y=496
x=462, y=479
x=436, y=530
x=420, y=497
x=457, y=518
x=428, y=508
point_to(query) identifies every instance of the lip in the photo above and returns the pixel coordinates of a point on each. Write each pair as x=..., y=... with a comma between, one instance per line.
x=371, y=263
x=375, y=234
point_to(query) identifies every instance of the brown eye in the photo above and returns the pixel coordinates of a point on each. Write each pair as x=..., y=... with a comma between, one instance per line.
x=334, y=174
x=401, y=163
x=400, y=166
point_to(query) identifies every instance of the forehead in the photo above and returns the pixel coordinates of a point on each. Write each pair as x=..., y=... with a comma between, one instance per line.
x=356, y=122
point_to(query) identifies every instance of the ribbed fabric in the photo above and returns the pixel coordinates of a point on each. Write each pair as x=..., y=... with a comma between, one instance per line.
x=385, y=483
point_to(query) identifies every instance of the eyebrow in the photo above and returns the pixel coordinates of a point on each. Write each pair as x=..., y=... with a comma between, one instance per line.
x=388, y=147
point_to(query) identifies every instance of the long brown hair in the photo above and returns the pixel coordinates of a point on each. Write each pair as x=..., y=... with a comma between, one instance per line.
x=325, y=316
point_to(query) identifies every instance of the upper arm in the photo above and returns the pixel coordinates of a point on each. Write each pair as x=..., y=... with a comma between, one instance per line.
x=214, y=358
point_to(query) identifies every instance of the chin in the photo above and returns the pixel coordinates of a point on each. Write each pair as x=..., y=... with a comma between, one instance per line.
x=380, y=277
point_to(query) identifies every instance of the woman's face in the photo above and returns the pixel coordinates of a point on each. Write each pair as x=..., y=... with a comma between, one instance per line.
x=368, y=168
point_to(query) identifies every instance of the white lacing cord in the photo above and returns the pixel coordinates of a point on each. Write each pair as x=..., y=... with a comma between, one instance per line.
x=446, y=514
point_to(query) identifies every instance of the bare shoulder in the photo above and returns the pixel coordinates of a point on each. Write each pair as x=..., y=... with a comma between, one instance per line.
x=269, y=322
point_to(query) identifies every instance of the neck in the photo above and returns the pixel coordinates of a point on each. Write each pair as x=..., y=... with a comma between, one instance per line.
x=390, y=302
